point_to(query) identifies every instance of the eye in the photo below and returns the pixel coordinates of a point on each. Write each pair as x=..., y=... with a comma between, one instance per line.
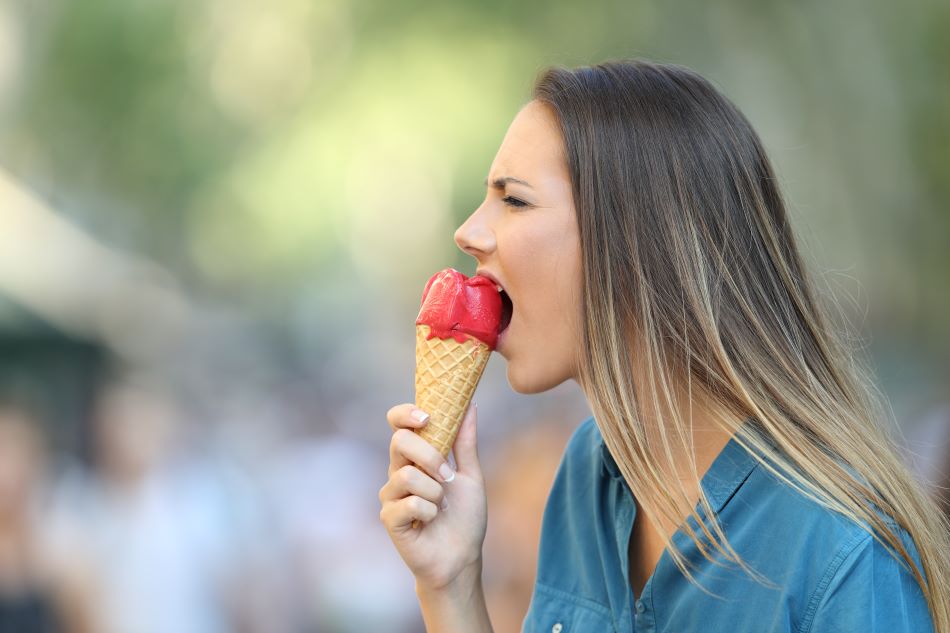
x=514, y=202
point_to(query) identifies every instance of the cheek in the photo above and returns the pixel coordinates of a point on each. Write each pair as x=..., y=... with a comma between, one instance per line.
x=542, y=256
x=550, y=333
x=547, y=261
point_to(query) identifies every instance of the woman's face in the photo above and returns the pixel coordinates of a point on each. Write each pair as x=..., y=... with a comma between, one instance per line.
x=524, y=235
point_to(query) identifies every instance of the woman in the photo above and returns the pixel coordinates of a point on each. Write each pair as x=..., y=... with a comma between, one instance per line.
x=734, y=476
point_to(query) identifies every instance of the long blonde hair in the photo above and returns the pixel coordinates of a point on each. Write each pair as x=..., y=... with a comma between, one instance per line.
x=692, y=277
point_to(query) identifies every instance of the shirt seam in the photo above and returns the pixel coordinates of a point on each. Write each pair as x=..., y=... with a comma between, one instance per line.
x=823, y=586
x=734, y=487
x=587, y=603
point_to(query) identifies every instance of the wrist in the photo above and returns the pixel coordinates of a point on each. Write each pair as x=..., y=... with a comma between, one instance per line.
x=465, y=582
x=455, y=606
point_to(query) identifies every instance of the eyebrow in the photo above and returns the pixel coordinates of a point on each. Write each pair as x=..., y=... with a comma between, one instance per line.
x=499, y=183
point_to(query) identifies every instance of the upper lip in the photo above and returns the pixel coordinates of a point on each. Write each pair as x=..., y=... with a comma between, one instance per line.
x=485, y=273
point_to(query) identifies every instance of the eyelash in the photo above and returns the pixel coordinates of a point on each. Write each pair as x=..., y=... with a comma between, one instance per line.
x=514, y=202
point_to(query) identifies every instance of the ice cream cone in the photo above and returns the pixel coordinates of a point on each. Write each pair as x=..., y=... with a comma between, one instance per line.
x=447, y=373
x=456, y=331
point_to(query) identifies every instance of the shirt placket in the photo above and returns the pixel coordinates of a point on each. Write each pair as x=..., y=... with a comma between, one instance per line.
x=644, y=616
x=638, y=613
x=623, y=523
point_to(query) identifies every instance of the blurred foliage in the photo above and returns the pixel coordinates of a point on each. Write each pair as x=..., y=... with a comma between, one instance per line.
x=317, y=154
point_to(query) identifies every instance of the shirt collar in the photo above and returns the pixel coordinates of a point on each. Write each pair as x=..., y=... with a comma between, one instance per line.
x=727, y=473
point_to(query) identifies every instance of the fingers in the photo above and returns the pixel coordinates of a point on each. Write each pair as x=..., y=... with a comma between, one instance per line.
x=416, y=470
x=409, y=480
x=407, y=448
x=406, y=416
x=466, y=443
x=400, y=514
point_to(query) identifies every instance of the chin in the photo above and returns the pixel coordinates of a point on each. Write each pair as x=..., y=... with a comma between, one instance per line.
x=526, y=383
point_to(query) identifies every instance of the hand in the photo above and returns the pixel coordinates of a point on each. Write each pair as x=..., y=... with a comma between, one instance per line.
x=446, y=542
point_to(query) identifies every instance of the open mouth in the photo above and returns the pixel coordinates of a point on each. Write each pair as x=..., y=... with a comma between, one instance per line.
x=506, y=310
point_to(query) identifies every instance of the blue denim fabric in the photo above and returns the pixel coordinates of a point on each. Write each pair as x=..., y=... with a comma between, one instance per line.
x=833, y=576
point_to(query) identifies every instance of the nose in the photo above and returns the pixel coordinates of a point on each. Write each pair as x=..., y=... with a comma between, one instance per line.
x=475, y=237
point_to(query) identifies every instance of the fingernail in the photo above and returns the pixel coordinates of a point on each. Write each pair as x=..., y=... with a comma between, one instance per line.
x=420, y=415
x=445, y=504
x=446, y=472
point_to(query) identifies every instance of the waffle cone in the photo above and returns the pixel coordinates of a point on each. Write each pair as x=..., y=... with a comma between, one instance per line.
x=447, y=373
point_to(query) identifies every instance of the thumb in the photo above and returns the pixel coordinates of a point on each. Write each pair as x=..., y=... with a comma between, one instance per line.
x=465, y=448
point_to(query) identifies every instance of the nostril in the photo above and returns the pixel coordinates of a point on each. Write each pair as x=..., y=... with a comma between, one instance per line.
x=459, y=241
x=475, y=238
x=465, y=244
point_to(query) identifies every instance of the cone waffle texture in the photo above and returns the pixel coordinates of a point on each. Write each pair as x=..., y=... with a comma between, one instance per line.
x=447, y=373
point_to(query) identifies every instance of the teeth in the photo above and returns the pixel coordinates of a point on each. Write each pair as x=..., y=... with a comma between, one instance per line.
x=499, y=288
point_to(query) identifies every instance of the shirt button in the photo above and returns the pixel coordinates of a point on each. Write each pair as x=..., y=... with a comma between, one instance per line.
x=640, y=607
x=556, y=628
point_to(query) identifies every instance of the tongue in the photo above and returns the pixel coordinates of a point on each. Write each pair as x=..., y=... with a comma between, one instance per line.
x=506, y=310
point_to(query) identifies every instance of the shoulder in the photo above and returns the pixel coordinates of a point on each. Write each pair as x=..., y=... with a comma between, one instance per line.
x=584, y=443
x=826, y=564
x=582, y=461
x=854, y=581
x=866, y=588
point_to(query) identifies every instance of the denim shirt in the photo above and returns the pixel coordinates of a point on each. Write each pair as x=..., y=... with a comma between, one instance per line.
x=832, y=575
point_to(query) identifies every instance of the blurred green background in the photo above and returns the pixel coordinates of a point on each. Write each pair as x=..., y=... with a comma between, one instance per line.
x=220, y=214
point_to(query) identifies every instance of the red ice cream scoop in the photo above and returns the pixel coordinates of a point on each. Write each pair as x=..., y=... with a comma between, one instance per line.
x=460, y=307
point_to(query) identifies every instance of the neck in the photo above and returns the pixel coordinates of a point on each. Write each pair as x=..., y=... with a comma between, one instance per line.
x=708, y=426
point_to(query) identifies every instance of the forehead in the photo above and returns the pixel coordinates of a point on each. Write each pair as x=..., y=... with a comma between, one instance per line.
x=532, y=147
